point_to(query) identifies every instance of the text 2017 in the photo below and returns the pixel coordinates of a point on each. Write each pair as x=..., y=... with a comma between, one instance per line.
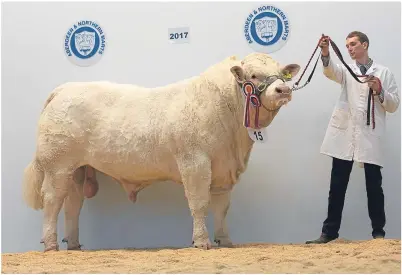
x=178, y=35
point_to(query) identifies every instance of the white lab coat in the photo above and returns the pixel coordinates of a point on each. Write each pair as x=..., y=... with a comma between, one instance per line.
x=347, y=136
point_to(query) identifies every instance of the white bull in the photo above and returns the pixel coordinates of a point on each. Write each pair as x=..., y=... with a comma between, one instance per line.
x=190, y=132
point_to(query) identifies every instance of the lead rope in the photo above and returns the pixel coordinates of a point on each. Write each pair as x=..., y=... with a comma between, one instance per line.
x=339, y=54
x=370, y=95
x=296, y=84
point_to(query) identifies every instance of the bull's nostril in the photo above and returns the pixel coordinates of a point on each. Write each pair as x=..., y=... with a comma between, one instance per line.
x=278, y=90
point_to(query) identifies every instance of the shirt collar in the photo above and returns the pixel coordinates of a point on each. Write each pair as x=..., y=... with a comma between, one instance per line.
x=368, y=65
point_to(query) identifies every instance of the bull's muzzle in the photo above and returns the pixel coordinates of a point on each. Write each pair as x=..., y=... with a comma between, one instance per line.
x=285, y=90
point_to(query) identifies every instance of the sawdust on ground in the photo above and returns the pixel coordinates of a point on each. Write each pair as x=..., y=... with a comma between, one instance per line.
x=339, y=256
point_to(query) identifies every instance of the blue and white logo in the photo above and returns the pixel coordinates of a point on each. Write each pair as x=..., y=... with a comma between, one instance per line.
x=267, y=29
x=84, y=43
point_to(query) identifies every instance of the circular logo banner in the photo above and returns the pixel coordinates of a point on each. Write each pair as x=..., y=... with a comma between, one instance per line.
x=84, y=43
x=267, y=29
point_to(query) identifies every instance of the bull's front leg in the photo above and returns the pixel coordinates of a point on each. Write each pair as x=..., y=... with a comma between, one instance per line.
x=220, y=202
x=195, y=171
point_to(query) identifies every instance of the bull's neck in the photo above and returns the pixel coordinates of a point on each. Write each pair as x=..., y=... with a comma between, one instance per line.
x=244, y=143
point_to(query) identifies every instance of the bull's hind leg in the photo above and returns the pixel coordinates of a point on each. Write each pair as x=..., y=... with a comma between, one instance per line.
x=220, y=202
x=55, y=189
x=72, y=208
x=196, y=176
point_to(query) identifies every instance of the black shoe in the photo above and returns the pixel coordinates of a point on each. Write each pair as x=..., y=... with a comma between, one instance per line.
x=378, y=234
x=322, y=239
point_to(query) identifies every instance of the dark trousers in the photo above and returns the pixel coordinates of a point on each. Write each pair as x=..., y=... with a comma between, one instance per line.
x=340, y=173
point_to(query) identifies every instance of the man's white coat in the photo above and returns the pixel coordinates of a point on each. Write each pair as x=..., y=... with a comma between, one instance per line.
x=347, y=136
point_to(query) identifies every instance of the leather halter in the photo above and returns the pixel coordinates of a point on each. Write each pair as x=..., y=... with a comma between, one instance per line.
x=253, y=94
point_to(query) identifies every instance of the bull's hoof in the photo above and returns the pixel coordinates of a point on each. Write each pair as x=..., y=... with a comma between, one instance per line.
x=51, y=247
x=223, y=242
x=72, y=246
x=202, y=244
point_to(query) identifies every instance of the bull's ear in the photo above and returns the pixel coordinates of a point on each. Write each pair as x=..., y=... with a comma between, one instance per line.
x=289, y=71
x=238, y=73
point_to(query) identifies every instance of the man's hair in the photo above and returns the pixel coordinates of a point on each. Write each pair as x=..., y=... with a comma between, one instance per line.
x=362, y=37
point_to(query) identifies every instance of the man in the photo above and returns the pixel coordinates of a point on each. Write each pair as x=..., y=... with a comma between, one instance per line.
x=349, y=138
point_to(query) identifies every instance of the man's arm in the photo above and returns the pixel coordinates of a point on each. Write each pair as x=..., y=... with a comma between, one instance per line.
x=389, y=95
x=331, y=70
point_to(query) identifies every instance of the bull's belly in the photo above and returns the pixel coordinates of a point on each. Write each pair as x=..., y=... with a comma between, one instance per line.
x=133, y=166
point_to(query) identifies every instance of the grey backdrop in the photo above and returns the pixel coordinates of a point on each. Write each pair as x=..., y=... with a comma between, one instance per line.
x=282, y=198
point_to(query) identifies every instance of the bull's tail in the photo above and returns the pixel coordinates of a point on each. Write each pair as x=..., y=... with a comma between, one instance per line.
x=32, y=185
x=34, y=174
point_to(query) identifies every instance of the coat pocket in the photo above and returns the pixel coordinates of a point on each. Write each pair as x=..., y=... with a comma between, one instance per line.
x=340, y=117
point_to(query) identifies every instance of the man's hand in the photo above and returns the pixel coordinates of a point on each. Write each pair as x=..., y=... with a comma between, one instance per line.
x=324, y=45
x=374, y=83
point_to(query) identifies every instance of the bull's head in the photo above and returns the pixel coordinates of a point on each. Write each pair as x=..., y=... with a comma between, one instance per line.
x=269, y=79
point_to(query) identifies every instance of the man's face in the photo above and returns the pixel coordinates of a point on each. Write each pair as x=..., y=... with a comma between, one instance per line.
x=355, y=48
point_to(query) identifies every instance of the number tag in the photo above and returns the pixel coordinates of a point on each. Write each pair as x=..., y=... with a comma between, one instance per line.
x=258, y=135
x=179, y=35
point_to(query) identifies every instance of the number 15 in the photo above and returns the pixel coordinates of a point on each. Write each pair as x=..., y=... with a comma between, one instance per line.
x=258, y=135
